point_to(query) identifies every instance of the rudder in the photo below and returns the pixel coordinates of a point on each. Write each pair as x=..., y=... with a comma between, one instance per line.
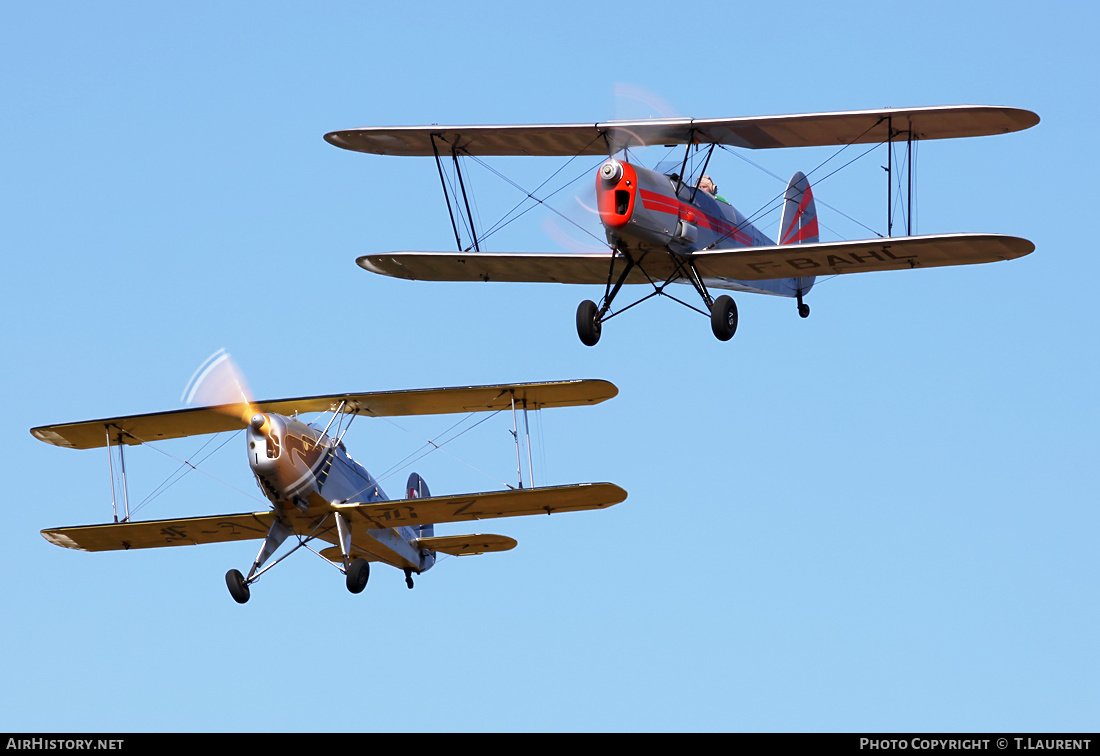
x=416, y=488
x=798, y=225
x=799, y=220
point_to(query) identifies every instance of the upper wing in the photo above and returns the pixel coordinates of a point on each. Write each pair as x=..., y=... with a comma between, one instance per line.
x=484, y=506
x=136, y=429
x=758, y=132
x=156, y=533
x=896, y=253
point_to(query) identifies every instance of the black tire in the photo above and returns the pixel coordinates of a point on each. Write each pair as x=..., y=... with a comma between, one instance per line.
x=803, y=311
x=588, y=323
x=723, y=318
x=358, y=574
x=238, y=588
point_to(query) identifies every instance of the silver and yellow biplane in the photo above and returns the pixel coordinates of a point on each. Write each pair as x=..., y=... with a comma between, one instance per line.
x=670, y=225
x=318, y=492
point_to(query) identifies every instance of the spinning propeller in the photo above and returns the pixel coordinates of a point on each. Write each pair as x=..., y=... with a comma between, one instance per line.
x=219, y=384
x=576, y=227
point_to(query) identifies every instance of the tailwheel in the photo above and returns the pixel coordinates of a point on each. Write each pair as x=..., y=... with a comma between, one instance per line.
x=238, y=588
x=409, y=579
x=588, y=323
x=358, y=574
x=723, y=317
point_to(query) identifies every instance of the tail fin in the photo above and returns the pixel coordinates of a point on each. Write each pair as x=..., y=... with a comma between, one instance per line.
x=799, y=222
x=799, y=226
x=416, y=488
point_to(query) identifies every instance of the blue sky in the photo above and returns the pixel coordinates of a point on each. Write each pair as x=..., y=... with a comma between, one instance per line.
x=881, y=518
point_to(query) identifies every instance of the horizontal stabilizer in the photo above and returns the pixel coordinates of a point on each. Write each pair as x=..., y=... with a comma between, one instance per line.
x=333, y=554
x=754, y=132
x=467, y=545
x=484, y=506
x=157, y=426
x=152, y=534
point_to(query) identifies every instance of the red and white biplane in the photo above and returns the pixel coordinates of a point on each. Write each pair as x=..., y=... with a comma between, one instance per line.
x=667, y=226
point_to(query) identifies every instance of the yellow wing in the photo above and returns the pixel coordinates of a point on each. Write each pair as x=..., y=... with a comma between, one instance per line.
x=484, y=506
x=137, y=429
x=152, y=534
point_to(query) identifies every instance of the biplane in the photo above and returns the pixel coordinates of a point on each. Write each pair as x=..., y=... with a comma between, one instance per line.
x=662, y=227
x=318, y=492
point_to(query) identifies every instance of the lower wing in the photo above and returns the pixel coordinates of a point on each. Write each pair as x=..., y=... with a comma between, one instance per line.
x=514, y=267
x=827, y=258
x=152, y=534
x=741, y=263
x=484, y=506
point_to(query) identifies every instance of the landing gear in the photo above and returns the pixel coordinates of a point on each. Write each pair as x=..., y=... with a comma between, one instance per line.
x=803, y=311
x=722, y=311
x=238, y=588
x=358, y=574
x=409, y=579
x=588, y=324
x=723, y=317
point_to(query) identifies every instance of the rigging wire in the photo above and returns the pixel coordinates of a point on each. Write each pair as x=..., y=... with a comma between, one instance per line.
x=189, y=464
x=502, y=223
x=181, y=472
x=776, y=202
x=430, y=446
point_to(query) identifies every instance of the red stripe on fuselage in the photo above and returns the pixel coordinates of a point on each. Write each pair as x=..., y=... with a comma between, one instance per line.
x=663, y=203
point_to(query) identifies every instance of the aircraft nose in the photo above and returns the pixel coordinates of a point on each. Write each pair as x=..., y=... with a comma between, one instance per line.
x=611, y=171
x=615, y=189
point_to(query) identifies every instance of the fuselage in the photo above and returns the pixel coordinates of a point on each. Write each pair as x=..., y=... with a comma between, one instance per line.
x=303, y=472
x=645, y=211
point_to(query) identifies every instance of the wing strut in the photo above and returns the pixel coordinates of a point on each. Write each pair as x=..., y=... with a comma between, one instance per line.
x=527, y=441
x=890, y=178
x=122, y=469
x=447, y=195
x=701, y=173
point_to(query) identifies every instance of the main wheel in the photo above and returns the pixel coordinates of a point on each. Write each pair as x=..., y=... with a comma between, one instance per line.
x=804, y=311
x=238, y=588
x=588, y=323
x=723, y=317
x=358, y=574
